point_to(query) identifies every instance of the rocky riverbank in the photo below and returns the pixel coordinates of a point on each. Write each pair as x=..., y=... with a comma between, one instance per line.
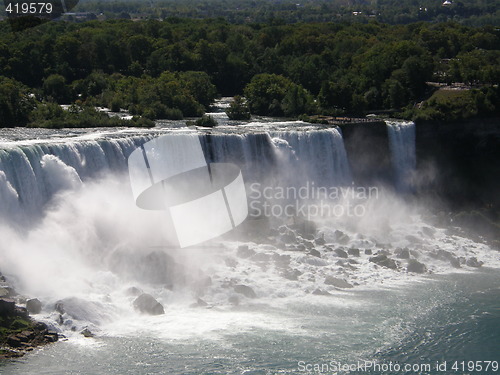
x=19, y=333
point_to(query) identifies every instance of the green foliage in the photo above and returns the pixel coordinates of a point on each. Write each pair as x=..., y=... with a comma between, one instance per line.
x=452, y=105
x=275, y=95
x=15, y=103
x=206, y=121
x=472, y=12
x=238, y=109
x=51, y=115
x=198, y=85
x=54, y=88
x=175, y=68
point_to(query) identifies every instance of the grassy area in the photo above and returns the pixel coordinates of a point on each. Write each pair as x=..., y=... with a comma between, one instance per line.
x=452, y=105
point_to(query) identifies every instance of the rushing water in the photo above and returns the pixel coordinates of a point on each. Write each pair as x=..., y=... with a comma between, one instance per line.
x=402, y=145
x=70, y=232
x=451, y=318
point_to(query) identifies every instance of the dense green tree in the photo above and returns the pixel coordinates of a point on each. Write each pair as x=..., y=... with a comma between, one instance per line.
x=297, y=101
x=16, y=103
x=55, y=88
x=264, y=92
x=238, y=109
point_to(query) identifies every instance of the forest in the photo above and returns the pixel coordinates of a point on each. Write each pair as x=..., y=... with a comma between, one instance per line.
x=176, y=67
x=468, y=12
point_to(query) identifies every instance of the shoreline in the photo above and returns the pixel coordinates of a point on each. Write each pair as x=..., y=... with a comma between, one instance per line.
x=20, y=333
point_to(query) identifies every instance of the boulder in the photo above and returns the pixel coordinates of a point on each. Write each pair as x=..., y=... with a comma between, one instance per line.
x=7, y=307
x=59, y=307
x=320, y=292
x=447, y=256
x=244, y=252
x=245, y=290
x=353, y=251
x=368, y=251
x=147, y=304
x=415, y=266
x=341, y=253
x=34, y=306
x=341, y=237
x=384, y=261
x=7, y=291
x=281, y=260
x=383, y=252
x=14, y=341
x=320, y=241
x=51, y=336
x=82, y=309
x=301, y=247
x=86, y=333
x=26, y=336
x=473, y=262
x=337, y=283
x=315, y=253
x=403, y=253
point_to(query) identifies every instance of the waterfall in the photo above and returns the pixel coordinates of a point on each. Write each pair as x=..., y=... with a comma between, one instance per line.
x=88, y=245
x=402, y=147
x=254, y=153
x=320, y=157
x=31, y=173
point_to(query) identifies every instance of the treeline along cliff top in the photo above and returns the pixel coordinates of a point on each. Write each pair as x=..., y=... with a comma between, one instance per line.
x=176, y=67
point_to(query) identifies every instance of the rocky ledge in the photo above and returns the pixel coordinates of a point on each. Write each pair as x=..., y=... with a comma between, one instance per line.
x=19, y=333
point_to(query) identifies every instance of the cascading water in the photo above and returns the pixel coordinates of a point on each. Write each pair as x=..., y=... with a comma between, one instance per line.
x=320, y=157
x=33, y=173
x=254, y=153
x=402, y=146
x=270, y=293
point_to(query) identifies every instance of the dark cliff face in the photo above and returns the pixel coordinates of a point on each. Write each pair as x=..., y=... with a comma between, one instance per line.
x=461, y=161
x=367, y=147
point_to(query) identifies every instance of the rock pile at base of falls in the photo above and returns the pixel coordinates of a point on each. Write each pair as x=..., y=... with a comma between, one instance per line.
x=19, y=333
